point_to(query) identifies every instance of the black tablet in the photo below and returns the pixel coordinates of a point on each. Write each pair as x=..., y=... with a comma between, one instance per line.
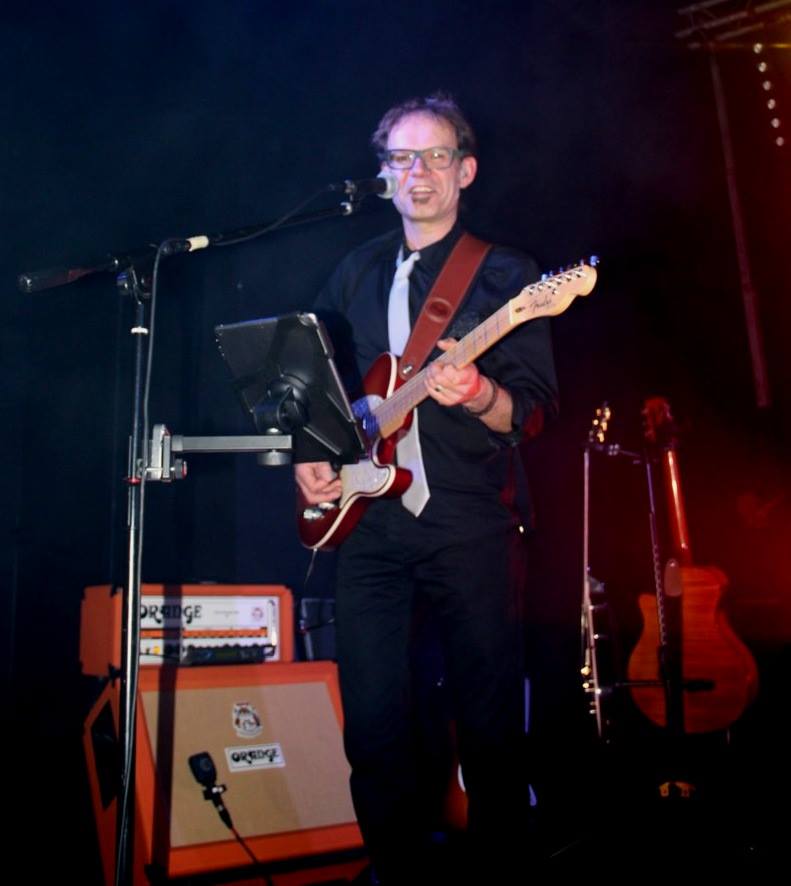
x=284, y=373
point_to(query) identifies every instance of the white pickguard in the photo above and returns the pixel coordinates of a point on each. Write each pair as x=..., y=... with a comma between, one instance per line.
x=366, y=477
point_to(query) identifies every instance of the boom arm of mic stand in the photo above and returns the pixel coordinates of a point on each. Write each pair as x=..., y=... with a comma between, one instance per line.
x=143, y=257
x=346, y=207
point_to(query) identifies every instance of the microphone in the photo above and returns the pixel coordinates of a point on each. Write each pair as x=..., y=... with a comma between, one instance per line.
x=203, y=769
x=384, y=185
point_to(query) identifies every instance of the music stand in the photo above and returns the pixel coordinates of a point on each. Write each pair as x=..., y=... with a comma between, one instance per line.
x=285, y=376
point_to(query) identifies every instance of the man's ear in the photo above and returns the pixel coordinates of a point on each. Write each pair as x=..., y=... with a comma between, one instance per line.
x=468, y=169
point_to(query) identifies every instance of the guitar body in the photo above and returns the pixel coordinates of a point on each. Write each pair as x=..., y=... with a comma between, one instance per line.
x=716, y=664
x=371, y=477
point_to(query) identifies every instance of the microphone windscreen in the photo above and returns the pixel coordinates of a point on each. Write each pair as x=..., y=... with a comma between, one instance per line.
x=203, y=768
x=392, y=185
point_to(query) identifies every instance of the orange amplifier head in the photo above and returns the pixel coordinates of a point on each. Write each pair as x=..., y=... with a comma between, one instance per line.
x=189, y=624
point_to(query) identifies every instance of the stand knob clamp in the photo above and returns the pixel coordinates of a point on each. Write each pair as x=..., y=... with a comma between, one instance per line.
x=162, y=467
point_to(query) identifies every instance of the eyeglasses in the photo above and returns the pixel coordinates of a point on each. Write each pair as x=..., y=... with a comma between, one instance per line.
x=432, y=158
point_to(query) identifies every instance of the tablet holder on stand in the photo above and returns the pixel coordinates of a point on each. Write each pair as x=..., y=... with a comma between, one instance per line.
x=286, y=379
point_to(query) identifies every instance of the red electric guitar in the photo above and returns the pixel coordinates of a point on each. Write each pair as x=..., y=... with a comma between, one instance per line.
x=386, y=408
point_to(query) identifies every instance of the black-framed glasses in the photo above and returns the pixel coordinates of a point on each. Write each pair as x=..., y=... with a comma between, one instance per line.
x=432, y=158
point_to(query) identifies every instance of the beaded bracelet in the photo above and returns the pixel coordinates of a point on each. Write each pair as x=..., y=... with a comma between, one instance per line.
x=489, y=403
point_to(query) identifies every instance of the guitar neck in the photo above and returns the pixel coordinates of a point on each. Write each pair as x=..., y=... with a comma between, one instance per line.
x=391, y=413
x=545, y=298
x=675, y=501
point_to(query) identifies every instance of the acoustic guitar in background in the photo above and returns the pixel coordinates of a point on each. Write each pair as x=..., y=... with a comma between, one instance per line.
x=689, y=672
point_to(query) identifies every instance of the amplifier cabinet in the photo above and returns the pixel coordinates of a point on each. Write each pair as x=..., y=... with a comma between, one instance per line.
x=274, y=734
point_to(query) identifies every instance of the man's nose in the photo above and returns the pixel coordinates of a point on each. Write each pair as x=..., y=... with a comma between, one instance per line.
x=419, y=166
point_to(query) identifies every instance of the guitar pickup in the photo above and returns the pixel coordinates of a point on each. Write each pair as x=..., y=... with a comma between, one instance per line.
x=319, y=511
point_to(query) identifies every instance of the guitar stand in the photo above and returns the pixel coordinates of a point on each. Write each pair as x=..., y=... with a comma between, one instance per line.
x=594, y=606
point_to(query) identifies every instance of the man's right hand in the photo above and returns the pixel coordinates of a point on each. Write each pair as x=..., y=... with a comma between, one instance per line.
x=317, y=482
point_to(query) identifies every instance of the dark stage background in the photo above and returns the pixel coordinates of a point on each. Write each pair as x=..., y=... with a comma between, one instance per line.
x=127, y=123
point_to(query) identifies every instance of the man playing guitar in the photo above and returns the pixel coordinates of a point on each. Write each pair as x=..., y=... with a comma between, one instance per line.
x=461, y=548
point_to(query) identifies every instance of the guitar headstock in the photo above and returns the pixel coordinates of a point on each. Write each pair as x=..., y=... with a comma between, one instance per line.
x=601, y=419
x=552, y=294
x=659, y=426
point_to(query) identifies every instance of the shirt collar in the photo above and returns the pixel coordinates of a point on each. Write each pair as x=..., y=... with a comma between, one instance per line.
x=433, y=256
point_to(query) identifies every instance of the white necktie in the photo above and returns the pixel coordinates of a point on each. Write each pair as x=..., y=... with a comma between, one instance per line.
x=398, y=326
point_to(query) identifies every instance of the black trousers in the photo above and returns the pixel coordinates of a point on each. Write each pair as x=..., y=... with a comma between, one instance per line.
x=474, y=590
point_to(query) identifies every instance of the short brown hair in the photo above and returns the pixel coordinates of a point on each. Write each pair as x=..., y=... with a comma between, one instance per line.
x=439, y=105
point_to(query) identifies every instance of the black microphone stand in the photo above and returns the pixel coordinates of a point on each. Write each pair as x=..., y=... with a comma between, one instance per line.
x=136, y=277
x=132, y=280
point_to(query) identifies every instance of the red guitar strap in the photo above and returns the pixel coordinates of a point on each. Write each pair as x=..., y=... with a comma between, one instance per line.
x=443, y=301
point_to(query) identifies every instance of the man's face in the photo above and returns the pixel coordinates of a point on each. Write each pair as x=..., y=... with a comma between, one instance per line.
x=428, y=196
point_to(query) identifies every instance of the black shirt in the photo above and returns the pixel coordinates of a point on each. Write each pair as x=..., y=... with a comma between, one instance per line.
x=470, y=469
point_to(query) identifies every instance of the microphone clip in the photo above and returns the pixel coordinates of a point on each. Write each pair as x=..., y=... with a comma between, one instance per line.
x=212, y=792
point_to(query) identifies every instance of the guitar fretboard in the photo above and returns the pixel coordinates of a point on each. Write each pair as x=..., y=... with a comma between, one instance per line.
x=390, y=413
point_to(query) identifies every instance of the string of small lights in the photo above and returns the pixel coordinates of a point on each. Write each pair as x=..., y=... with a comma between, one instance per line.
x=717, y=25
x=767, y=87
